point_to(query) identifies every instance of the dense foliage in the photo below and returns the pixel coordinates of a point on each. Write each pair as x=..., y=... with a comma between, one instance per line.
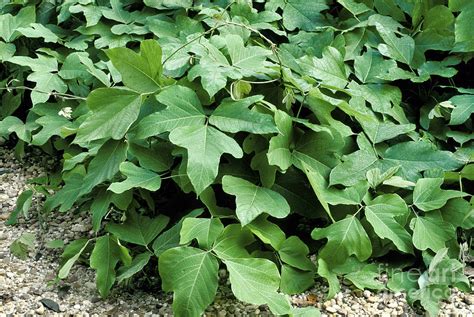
x=248, y=135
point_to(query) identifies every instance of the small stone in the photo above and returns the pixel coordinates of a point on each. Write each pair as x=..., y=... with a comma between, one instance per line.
x=380, y=306
x=50, y=304
x=40, y=310
x=221, y=313
x=77, y=306
x=372, y=299
x=392, y=305
x=469, y=299
x=331, y=309
x=367, y=294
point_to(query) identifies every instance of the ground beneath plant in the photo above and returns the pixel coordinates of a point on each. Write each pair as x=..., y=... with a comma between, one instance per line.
x=29, y=287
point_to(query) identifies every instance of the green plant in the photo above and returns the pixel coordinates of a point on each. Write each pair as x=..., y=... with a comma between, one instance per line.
x=207, y=129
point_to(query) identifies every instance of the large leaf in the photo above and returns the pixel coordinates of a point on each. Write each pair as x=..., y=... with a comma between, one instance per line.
x=330, y=68
x=205, y=146
x=183, y=109
x=204, y=230
x=140, y=72
x=138, y=229
x=105, y=256
x=137, y=177
x=430, y=232
x=252, y=200
x=234, y=116
x=105, y=164
x=464, y=107
x=345, y=238
x=113, y=111
x=256, y=281
x=429, y=196
x=192, y=275
x=301, y=14
x=383, y=213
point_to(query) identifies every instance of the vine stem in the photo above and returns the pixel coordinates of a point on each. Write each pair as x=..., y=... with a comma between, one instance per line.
x=52, y=93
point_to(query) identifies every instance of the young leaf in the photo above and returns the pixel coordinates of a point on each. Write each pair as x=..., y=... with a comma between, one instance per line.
x=192, y=275
x=137, y=177
x=205, y=146
x=382, y=213
x=253, y=200
x=429, y=196
x=23, y=204
x=138, y=229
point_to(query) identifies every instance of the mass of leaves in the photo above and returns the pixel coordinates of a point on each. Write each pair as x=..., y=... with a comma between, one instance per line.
x=248, y=135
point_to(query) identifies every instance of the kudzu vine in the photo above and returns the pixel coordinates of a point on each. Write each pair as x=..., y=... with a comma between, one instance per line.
x=249, y=135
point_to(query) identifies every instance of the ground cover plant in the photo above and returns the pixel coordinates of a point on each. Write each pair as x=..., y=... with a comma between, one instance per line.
x=249, y=135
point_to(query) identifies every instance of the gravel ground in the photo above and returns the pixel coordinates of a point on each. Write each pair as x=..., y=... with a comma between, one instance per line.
x=25, y=284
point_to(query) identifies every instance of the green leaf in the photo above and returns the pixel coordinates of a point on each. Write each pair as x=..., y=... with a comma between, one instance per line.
x=183, y=109
x=365, y=278
x=140, y=72
x=67, y=195
x=100, y=207
x=113, y=112
x=252, y=200
x=105, y=164
x=294, y=281
x=279, y=148
x=23, y=245
x=7, y=50
x=295, y=252
x=232, y=242
x=70, y=255
x=430, y=232
x=37, y=30
x=256, y=281
x=464, y=107
x=459, y=213
x=417, y=156
x=23, y=204
x=138, y=229
x=429, y=196
x=192, y=275
x=267, y=231
x=157, y=157
x=104, y=257
x=330, y=68
x=170, y=238
x=353, y=168
x=345, y=238
x=137, y=177
x=205, y=230
x=137, y=265
x=205, y=145
x=235, y=116
x=398, y=46
x=300, y=14
x=9, y=24
x=383, y=213
x=325, y=272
